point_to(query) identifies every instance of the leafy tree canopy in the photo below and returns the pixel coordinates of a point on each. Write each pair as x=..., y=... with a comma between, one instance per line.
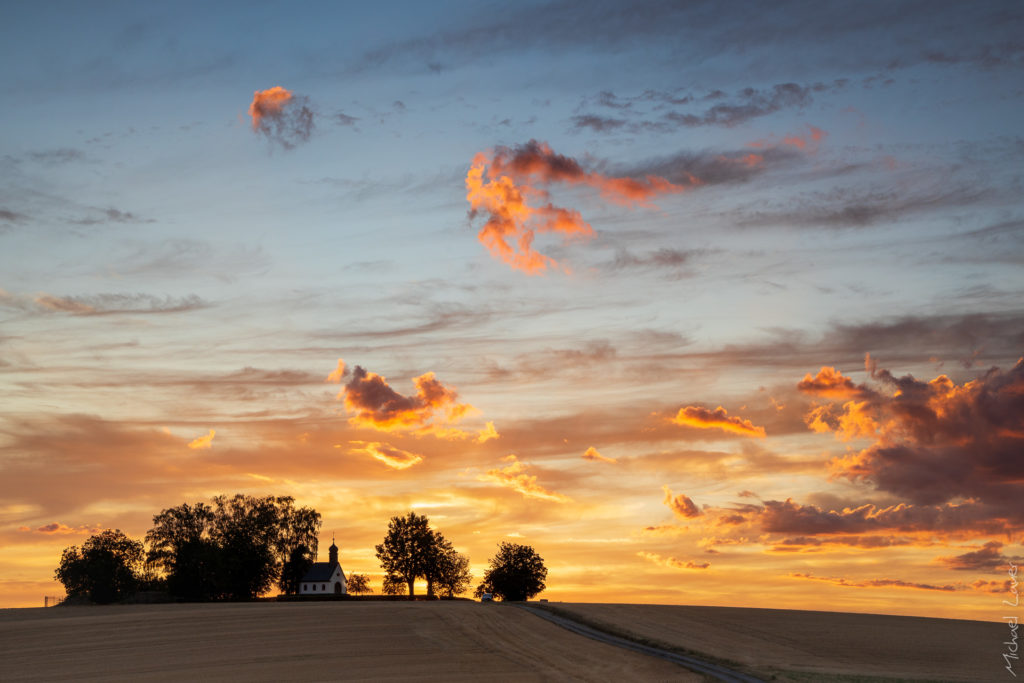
x=516, y=573
x=358, y=583
x=107, y=568
x=235, y=548
x=405, y=553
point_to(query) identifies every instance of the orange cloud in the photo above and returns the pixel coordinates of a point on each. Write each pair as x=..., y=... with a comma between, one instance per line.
x=830, y=383
x=702, y=418
x=514, y=477
x=789, y=517
x=682, y=505
x=487, y=433
x=672, y=562
x=395, y=458
x=592, y=454
x=59, y=529
x=202, y=442
x=281, y=116
x=808, y=141
x=503, y=182
x=813, y=137
x=378, y=406
x=337, y=374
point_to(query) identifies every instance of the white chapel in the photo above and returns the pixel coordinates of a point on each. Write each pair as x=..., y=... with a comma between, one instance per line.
x=325, y=578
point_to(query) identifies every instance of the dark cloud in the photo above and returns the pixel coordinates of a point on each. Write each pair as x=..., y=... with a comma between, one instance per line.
x=938, y=442
x=9, y=216
x=715, y=167
x=660, y=259
x=988, y=558
x=789, y=517
x=600, y=124
x=880, y=583
x=849, y=208
x=682, y=505
x=885, y=36
x=749, y=103
x=345, y=120
x=904, y=339
x=62, y=155
x=111, y=215
x=800, y=542
x=374, y=404
x=746, y=104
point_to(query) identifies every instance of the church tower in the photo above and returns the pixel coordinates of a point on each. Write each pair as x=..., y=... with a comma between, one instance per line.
x=333, y=553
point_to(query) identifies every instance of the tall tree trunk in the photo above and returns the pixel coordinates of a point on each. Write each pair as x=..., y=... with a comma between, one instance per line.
x=411, y=582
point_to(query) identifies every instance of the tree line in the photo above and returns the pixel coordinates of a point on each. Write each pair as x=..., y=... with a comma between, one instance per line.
x=239, y=547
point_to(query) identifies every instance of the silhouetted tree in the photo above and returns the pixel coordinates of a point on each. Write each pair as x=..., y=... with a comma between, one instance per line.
x=393, y=585
x=406, y=549
x=297, y=544
x=300, y=559
x=180, y=545
x=234, y=549
x=436, y=560
x=516, y=573
x=444, y=569
x=107, y=568
x=453, y=576
x=358, y=583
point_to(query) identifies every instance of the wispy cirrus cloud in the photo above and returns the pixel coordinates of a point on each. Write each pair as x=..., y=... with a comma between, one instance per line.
x=110, y=215
x=395, y=458
x=201, y=443
x=594, y=455
x=102, y=304
x=672, y=562
x=515, y=476
x=61, y=529
x=714, y=108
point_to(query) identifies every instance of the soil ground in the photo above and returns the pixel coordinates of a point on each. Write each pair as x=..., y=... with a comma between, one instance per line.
x=309, y=641
x=464, y=641
x=813, y=646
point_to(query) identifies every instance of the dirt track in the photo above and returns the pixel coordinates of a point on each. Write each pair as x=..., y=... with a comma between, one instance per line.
x=379, y=641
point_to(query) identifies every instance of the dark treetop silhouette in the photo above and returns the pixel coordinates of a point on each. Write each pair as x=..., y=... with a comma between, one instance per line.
x=411, y=550
x=516, y=573
x=107, y=568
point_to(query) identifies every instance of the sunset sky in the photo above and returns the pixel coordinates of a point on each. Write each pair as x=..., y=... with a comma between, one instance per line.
x=710, y=303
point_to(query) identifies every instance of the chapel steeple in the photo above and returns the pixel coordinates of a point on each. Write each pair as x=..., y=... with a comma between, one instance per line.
x=333, y=552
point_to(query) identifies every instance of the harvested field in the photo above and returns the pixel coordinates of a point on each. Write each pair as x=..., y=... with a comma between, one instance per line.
x=813, y=646
x=379, y=641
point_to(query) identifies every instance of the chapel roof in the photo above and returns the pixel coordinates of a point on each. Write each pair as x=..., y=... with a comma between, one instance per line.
x=320, y=571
